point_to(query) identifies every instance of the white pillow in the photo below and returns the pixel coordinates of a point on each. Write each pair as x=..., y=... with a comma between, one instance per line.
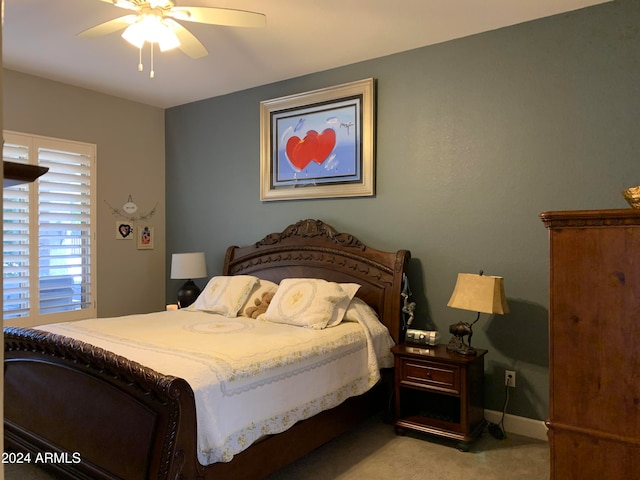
x=350, y=289
x=255, y=297
x=225, y=295
x=358, y=309
x=310, y=302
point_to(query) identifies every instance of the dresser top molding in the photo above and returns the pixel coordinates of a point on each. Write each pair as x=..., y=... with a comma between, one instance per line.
x=591, y=218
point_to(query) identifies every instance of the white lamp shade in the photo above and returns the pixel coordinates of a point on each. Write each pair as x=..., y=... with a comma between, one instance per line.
x=188, y=265
x=479, y=293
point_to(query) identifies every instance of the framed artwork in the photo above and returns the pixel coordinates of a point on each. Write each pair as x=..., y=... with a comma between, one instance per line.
x=318, y=144
x=124, y=231
x=145, y=238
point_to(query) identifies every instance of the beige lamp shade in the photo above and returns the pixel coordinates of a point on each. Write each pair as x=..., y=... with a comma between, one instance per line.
x=188, y=265
x=479, y=293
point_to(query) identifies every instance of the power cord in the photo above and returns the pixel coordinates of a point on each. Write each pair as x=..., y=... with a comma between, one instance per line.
x=497, y=430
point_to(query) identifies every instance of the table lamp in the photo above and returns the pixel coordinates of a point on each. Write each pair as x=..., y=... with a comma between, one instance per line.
x=188, y=266
x=478, y=293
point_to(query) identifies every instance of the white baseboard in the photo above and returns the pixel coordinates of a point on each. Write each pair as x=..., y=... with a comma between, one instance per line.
x=526, y=427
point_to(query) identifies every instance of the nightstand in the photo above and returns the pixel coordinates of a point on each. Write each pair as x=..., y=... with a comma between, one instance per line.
x=439, y=392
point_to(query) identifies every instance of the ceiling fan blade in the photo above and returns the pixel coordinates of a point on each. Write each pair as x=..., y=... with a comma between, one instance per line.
x=128, y=4
x=108, y=27
x=219, y=16
x=189, y=44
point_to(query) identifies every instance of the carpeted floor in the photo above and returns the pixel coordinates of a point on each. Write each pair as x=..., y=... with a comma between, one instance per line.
x=373, y=451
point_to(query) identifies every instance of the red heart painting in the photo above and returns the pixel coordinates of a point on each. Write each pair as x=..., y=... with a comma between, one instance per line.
x=314, y=147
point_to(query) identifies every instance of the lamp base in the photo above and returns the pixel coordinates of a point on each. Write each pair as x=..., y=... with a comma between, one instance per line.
x=456, y=344
x=187, y=294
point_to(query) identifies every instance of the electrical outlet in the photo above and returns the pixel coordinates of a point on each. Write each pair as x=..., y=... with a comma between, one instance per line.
x=510, y=378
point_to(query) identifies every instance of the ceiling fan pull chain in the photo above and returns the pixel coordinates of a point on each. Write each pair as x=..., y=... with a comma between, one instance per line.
x=140, y=67
x=152, y=73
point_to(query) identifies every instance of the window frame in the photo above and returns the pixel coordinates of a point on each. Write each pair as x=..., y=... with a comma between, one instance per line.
x=34, y=143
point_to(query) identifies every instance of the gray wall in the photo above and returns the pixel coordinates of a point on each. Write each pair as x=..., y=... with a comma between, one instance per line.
x=130, y=155
x=475, y=137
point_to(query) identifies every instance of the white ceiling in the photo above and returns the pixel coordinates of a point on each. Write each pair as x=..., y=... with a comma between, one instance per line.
x=301, y=37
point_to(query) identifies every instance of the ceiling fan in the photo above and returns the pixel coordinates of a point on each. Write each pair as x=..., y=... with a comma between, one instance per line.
x=156, y=21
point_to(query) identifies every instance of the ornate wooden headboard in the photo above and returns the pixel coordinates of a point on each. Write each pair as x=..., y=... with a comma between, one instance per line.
x=313, y=249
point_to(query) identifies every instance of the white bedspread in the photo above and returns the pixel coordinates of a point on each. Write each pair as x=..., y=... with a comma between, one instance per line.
x=250, y=378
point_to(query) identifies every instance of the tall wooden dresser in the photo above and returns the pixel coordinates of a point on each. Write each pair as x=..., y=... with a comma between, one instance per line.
x=594, y=333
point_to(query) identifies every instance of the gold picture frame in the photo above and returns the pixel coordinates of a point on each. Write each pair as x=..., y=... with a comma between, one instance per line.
x=318, y=144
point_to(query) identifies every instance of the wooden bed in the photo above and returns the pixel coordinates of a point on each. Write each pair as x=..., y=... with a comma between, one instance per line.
x=54, y=385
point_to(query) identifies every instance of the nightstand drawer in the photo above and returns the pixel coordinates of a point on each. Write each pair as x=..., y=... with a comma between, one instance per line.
x=433, y=376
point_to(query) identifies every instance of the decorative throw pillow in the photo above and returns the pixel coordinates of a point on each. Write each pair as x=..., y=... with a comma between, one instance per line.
x=225, y=294
x=255, y=297
x=310, y=302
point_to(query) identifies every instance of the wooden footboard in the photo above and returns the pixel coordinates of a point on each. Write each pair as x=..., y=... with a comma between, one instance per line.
x=88, y=413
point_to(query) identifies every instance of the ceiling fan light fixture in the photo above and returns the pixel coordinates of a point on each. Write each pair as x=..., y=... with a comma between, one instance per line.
x=152, y=29
x=154, y=23
x=169, y=41
x=134, y=35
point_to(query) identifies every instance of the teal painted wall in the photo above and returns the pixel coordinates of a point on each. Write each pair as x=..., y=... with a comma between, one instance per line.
x=475, y=137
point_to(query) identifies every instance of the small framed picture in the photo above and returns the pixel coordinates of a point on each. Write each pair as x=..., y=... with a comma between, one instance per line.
x=124, y=231
x=145, y=238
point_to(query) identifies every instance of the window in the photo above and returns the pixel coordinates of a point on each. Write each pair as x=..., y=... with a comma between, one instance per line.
x=49, y=262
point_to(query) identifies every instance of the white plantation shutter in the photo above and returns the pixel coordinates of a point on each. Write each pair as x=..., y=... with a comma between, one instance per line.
x=16, y=247
x=49, y=241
